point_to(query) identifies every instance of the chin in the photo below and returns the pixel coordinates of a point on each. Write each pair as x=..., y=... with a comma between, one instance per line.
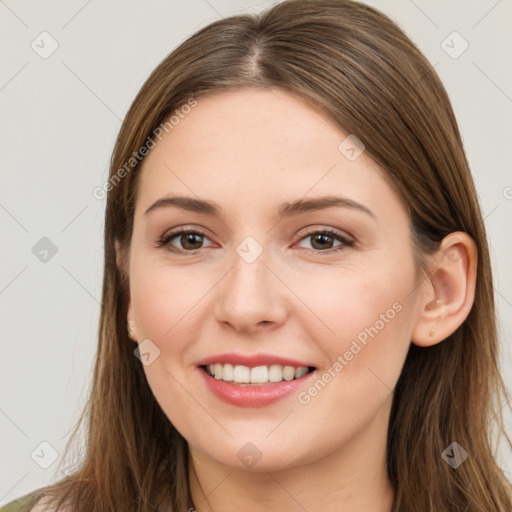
x=257, y=456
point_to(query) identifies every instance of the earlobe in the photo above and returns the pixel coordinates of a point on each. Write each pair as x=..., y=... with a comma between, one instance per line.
x=130, y=322
x=131, y=330
x=449, y=290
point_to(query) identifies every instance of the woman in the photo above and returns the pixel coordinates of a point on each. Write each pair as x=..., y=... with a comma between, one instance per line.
x=297, y=306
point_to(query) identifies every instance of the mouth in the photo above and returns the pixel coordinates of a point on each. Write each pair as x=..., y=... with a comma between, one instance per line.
x=253, y=381
x=262, y=375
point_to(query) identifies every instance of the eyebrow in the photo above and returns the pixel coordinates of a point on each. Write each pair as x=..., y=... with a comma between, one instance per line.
x=285, y=210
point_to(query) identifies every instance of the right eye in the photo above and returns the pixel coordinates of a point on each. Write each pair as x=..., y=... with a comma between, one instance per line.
x=187, y=238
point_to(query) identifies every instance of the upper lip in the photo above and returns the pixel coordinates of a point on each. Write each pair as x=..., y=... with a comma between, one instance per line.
x=252, y=360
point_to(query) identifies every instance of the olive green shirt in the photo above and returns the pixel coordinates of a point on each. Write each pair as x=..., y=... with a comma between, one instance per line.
x=24, y=503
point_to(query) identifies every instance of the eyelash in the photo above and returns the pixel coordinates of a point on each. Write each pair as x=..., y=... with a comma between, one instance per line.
x=165, y=240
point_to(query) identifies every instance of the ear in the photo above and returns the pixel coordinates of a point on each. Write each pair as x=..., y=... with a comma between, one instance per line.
x=121, y=263
x=448, y=291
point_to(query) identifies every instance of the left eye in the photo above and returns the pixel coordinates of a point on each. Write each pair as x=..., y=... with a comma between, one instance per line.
x=191, y=241
x=326, y=237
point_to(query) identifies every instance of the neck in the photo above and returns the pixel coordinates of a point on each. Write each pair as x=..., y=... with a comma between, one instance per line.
x=351, y=478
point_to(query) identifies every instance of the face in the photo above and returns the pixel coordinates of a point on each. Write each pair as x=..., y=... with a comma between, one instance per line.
x=265, y=282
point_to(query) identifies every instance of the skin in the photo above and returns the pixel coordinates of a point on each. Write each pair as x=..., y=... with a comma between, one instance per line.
x=250, y=151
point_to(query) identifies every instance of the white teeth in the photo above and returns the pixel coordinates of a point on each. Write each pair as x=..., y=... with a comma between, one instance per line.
x=299, y=372
x=241, y=374
x=288, y=372
x=219, y=371
x=275, y=373
x=259, y=375
x=228, y=373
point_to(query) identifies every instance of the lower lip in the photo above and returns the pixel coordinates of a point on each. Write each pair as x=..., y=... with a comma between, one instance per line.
x=251, y=395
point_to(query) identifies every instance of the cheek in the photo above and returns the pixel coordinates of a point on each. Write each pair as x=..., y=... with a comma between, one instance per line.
x=364, y=362
x=165, y=299
x=364, y=323
x=165, y=303
x=356, y=304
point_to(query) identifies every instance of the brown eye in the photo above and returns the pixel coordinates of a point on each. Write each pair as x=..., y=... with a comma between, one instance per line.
x=189, y=241
x=322, y=240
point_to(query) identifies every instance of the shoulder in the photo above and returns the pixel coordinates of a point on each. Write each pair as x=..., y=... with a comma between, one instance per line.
x=24, y=503
x=31, y=502
x=42, y=506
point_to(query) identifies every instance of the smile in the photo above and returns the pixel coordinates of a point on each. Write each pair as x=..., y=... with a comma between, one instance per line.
x=256, y=380
x=241, y=374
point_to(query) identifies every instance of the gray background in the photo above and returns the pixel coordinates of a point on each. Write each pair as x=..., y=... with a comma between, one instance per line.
x=60, y=116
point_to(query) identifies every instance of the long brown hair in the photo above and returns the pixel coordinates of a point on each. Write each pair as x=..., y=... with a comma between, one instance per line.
x=364, y=74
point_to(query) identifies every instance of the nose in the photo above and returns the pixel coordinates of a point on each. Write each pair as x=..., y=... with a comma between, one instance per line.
x=251, y=298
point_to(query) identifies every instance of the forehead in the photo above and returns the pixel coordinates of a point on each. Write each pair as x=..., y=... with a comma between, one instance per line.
x=261, y=124
x=257, y=146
